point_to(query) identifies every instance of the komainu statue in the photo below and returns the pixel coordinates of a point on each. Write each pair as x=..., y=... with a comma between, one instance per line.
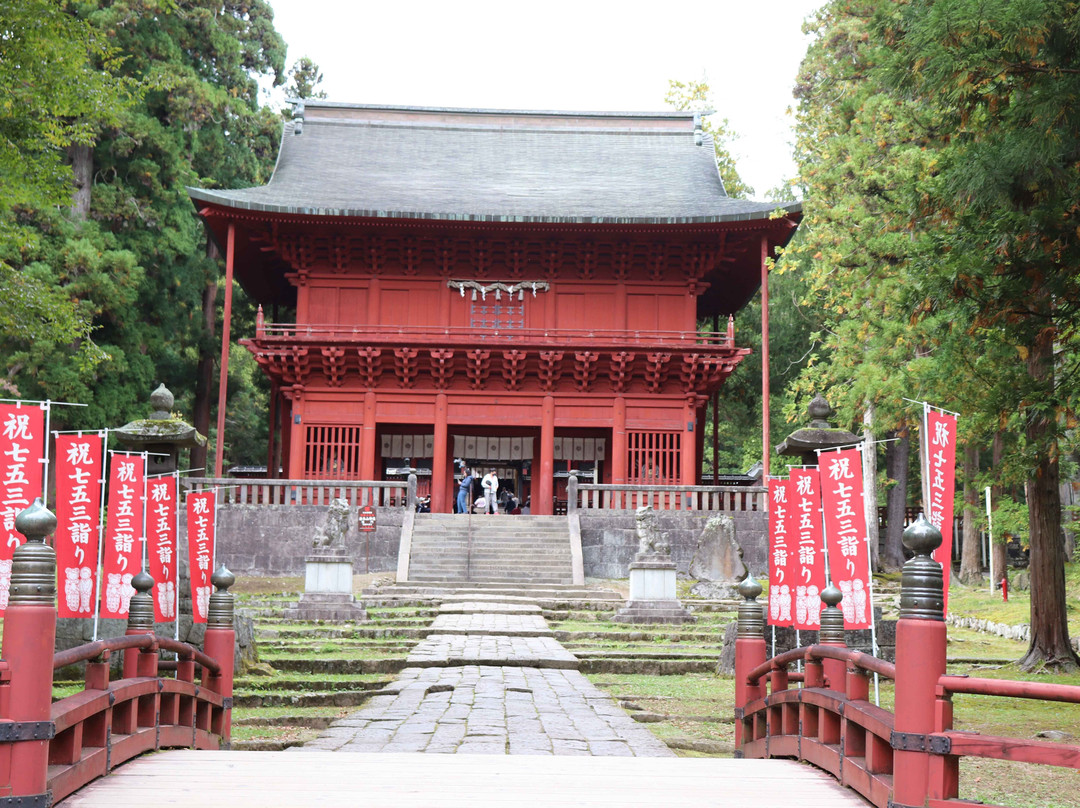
x=331, y=534
x=651, y=542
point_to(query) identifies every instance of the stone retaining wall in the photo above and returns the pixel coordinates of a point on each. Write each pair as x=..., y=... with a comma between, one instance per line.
x=274, y=539
x=609, y=539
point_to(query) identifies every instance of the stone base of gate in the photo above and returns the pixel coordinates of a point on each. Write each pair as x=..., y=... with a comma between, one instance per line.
x=652, y=595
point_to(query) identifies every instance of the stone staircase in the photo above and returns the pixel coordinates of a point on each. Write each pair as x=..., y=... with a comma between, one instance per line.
x=521, y=549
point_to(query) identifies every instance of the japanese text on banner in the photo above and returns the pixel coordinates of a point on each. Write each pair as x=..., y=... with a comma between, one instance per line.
x=845, y=530
x=123, y=532
x=78, y=520
x=22, y=450
x=201, y=518
x=161, y=504
x=811, y=562
x=940, y=442
x=782, y=554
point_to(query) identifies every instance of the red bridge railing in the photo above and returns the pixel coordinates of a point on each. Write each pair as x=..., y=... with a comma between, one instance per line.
x=895, y=760
x=49, y=750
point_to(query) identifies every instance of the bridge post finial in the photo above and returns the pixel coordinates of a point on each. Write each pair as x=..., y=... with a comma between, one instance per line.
x=749, y=652
x=920, y=662
x=220, y=644
x=29, y=638
x=572, y=492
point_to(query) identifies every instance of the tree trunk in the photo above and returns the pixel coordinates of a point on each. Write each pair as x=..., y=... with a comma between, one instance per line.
x=997, y=546
x=1049, y=625
x=897, y=456
x=970, y=549
x=870, y=495
x=82, y=166
x=204, y=372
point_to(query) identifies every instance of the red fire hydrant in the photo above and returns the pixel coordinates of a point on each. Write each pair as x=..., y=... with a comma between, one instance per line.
x=1005, y=589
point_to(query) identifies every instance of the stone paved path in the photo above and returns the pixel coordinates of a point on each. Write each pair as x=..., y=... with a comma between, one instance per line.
x=486, y=693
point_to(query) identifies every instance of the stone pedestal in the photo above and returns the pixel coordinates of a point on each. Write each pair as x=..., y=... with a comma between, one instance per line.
x=652, y=593
x=327, y=591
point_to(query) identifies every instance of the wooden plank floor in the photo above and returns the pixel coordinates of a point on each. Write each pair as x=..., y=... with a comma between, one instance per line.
x=331, y=779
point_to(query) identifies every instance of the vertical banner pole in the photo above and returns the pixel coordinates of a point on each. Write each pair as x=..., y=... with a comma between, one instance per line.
x=764, y=357
x=223, y=376
x=45, y=460
x=990, y=538
x=873, y=622
x=176, y=555
x=101, y=528
x=145, y=548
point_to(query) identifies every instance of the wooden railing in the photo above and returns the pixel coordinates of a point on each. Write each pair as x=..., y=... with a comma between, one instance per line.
x=109, y=723
x=906, y=758
x=829, y=721
x=253, y=491
x=467, y=335
x=48, y=750
x=727, y=498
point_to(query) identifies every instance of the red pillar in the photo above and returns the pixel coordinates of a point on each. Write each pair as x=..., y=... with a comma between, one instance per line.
x=223, y=377
x=440, y=479
x=765, y=447
x=543, y=502
x=297, y=448
x=368, y=449
x=750, y=652
x=29, y=638
x=920, y=662
x=618, y=442
x=688, y=446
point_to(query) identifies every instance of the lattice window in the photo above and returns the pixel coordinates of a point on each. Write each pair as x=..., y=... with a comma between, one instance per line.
x=332, y=452
x=653, y=458
x=497, y=315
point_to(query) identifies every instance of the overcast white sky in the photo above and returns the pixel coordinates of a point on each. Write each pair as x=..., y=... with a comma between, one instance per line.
x=559, y=55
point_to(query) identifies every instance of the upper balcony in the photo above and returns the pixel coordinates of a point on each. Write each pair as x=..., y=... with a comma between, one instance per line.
x=516, y=359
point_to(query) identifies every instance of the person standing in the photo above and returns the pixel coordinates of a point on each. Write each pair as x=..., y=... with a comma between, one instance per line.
x=491, y=491
x=464, y=496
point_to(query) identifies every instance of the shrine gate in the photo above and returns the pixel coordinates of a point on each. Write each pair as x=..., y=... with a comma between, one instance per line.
x=517, y=290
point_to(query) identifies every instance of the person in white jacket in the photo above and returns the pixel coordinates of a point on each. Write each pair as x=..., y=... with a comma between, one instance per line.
x=491, y=490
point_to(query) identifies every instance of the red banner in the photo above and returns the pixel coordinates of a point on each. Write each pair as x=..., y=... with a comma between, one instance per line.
x=845, y=531
x=22, y=451
x=201, y=523
x=123, y=532
x=161, y=505
x=78, y=520
x=810, y=567
x=782, y=556
x=941, y=458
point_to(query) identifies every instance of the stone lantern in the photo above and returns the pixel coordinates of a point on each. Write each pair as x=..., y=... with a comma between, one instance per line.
x=819, y=436
x=161, y=435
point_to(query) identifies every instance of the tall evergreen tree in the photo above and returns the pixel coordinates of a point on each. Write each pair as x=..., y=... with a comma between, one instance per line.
x=136, y=256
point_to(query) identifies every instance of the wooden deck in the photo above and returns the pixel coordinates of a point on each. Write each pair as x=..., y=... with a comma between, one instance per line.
x=331, y=779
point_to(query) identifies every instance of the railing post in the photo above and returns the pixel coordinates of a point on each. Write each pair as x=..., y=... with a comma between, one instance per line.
x=219, y=644
x=29, y=639
x=831, y=633
x=749, y=651
x=572, y=493
x=140, y=661
x=410, y=493
x=920, y=662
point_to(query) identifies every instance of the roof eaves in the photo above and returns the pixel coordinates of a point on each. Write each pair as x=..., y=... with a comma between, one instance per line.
x=225, y=201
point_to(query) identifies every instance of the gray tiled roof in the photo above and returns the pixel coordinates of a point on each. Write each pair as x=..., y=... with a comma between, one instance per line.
x=524, y=171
